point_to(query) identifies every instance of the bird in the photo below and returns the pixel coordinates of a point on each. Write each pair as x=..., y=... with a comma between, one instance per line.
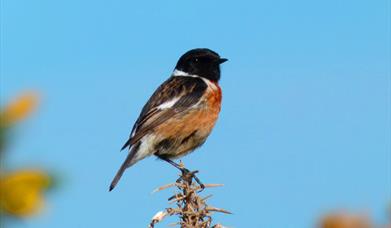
x=180, y=114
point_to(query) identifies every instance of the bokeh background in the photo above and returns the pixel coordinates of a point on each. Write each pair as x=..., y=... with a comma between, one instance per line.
x=304, y=130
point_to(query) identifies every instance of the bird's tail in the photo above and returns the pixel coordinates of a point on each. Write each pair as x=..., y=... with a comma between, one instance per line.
x=129, y=161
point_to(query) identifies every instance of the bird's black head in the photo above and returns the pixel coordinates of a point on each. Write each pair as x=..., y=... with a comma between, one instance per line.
x=202, y=62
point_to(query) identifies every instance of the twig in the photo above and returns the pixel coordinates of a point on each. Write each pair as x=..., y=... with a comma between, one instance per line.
x=163, y=187
x=191, y=209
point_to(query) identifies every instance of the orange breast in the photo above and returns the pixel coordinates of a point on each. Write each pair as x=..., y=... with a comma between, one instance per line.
x=200, y=120
x=215, y=96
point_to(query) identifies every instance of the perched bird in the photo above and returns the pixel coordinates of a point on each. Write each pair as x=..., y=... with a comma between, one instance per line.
x=180, y=114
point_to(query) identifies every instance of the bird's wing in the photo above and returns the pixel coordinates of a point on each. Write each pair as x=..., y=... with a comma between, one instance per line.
x=174, y=96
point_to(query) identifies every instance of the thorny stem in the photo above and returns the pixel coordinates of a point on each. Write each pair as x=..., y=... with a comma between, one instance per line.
x=192, y=209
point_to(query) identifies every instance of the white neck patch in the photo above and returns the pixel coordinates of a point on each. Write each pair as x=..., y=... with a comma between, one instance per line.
x=179, y=73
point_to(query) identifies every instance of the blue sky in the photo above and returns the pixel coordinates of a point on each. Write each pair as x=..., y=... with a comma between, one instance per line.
x=304, y=127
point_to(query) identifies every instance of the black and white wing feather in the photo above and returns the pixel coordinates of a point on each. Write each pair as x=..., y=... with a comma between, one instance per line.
x=174, y=96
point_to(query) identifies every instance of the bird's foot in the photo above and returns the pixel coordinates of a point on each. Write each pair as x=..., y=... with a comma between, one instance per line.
x=188, y=176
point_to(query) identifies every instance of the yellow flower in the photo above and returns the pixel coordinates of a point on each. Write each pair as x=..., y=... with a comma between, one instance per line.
x=18, y=109
x=21, y=192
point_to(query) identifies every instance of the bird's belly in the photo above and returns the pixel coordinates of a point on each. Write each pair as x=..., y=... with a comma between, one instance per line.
x=186, y=132
x=181, y=146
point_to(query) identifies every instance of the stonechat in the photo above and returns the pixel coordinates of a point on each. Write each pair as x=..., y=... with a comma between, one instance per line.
x=180, y=114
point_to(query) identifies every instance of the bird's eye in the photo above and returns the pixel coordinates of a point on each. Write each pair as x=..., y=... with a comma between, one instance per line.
x=196, y=60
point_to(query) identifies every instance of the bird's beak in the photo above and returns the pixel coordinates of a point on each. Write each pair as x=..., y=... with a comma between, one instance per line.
x=222, y=60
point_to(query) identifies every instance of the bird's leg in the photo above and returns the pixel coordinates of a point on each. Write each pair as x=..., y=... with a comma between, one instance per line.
x=185, y=172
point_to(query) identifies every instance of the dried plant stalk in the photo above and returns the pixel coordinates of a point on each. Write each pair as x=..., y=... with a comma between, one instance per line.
x=191, y=208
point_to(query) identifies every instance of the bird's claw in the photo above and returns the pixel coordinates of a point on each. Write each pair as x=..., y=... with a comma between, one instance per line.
x=188, y=175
